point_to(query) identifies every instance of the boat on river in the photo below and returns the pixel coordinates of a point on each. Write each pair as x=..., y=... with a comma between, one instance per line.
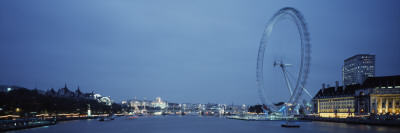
x=105, y=119
x=290, y=124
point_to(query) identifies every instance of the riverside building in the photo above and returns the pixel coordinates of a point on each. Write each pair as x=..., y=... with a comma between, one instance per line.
x=384, y=95
x=335, y=101
x=376, y=96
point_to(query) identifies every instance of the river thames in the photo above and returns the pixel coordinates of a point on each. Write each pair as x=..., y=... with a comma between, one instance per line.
x=199, y=124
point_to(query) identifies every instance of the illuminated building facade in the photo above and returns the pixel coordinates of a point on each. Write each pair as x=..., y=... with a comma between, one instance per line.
x=377, y=95
x=358, y=68
x=158, y=103
x=104, y=100
x=143, y=106
x=384, y=94
x=335, y=101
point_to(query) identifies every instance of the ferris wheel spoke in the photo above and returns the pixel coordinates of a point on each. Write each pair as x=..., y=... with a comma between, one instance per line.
x=289, y=85
x=304, y=88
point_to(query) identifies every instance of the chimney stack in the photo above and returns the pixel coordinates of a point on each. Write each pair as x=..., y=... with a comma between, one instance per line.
x=323, y=88
x=336, y=85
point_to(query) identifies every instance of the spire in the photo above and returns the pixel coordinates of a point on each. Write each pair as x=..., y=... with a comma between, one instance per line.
x=65, y=86
x=78, y=91
x=52, y=91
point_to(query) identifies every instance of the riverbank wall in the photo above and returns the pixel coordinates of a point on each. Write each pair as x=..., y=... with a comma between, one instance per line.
x=371, y=120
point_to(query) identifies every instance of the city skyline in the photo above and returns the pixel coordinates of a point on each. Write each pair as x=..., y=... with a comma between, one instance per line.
x=193, y=52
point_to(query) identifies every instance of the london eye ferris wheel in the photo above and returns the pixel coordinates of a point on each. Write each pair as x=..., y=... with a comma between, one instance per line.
x=283, y=61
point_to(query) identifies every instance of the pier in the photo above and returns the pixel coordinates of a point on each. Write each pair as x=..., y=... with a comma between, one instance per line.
x=9, y=125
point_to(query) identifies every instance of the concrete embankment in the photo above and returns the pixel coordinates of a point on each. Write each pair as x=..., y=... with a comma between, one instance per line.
x=360, y=120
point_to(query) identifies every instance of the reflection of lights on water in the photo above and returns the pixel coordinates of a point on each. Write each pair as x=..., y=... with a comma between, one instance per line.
x=368, y=127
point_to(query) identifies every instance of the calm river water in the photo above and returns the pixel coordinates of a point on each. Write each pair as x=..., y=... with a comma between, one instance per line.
x=200, y=124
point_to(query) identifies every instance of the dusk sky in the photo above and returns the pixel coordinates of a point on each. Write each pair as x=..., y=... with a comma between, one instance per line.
x=185, y=51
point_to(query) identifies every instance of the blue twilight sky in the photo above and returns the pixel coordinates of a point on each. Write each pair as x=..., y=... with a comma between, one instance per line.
x=183, y=51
